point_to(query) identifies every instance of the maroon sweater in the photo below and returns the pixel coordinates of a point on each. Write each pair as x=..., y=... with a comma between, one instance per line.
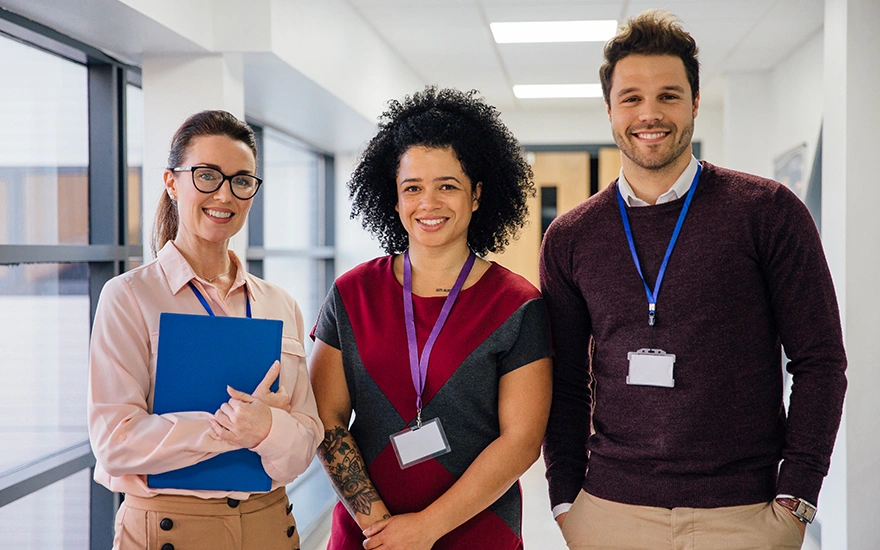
x=747, y=278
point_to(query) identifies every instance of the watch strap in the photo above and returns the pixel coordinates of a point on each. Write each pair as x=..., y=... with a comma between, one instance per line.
x=799, y=508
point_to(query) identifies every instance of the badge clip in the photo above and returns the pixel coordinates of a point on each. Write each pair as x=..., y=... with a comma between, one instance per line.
x=650, y=367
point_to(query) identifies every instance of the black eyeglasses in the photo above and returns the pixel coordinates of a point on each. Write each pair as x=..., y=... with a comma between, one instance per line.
x=209, y=180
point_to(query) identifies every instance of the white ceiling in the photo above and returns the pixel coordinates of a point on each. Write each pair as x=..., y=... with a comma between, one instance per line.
x=448, y=42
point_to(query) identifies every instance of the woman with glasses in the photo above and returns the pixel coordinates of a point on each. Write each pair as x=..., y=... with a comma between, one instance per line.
x=209, y=183
x=442, y=355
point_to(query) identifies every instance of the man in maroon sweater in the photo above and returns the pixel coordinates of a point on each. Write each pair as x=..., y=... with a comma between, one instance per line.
x=672, y=294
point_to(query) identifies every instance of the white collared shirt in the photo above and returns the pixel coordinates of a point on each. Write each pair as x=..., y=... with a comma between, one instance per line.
x=678, y=189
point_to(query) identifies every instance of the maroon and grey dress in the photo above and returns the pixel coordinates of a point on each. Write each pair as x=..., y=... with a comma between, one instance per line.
x=496, y=326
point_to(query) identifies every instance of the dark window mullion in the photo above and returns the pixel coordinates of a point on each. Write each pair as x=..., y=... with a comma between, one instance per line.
x=107, y=225
x=328, y=268
x=256, y=214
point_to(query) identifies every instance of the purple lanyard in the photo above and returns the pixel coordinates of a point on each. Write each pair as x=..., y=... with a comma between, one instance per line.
x=419, y=366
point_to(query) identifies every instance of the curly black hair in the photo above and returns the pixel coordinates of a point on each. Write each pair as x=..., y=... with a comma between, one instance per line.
x=485, y=147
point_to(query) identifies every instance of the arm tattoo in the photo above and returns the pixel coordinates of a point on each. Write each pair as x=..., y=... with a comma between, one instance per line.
x=342, y=460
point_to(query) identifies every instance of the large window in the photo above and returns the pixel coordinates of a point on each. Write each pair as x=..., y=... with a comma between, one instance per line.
x=44, y=148
x=290, y=243
x=70, y=211
x=290, y=232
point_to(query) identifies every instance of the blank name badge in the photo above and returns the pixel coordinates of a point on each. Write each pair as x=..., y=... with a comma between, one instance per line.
x=650, y=367
x=415, y=445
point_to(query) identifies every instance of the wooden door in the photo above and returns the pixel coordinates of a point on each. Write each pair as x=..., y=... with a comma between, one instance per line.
x=563, y=174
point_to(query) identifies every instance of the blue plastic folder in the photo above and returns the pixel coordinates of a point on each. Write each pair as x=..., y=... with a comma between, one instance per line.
x=198, y=357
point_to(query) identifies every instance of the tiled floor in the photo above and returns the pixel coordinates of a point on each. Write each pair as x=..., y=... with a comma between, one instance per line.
x=540, y=531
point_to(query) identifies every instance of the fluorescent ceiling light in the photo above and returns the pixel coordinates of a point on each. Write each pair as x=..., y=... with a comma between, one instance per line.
x=553, y=31
x=555, y=91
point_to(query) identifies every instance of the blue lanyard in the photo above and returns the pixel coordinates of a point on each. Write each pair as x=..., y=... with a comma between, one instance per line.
x=207, y=306
x=652, y=296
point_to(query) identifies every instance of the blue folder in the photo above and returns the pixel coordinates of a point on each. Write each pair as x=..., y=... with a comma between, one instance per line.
x=198, y=357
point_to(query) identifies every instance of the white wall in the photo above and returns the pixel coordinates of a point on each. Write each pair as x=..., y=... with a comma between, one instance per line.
x=797, y=97
x=770, y=112
x=747, y=116
x=851, y=232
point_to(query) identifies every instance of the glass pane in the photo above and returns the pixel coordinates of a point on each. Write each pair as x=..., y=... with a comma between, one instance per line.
x=44, y=148
x=299, y=277
x=44, y=338
x=134, y=113
x=311, y=496
x=54, y=518
x=291, y=185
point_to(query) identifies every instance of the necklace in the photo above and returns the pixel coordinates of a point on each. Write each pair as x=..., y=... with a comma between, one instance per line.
x=212, y=279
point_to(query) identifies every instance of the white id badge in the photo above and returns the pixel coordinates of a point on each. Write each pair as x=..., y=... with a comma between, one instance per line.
x=415, y=445
x=650, y=367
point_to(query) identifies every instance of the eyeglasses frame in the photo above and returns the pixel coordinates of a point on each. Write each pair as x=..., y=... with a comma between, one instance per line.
x=192, y=171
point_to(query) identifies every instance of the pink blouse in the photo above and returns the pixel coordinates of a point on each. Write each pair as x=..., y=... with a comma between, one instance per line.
x=127, y=440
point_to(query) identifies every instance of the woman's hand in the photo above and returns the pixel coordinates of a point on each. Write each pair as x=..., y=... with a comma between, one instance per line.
x=244, y=420
x=279, y=399
x=403, y=532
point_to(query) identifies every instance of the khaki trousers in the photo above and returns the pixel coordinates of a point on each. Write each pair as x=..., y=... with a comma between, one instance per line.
x=173, y=522
x=594, y=523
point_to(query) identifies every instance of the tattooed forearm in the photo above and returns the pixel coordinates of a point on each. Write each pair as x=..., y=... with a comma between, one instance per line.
x=342, y=460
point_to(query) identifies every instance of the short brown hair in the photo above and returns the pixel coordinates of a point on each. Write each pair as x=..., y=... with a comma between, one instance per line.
x=654, y=32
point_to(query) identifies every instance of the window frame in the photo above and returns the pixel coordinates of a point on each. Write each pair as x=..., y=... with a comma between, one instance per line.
x=312, y=486
x=108, y=253
x=324, y=251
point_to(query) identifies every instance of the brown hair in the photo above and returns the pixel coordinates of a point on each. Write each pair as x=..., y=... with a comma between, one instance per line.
x=654, y=32
x=205, y=123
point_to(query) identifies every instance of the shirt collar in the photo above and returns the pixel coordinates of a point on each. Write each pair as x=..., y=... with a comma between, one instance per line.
x=678, y=189
x=179, y=273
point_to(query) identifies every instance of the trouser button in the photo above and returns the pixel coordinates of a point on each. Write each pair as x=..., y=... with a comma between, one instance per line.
x=167, y=546
x=233, y=503
x=166, y=524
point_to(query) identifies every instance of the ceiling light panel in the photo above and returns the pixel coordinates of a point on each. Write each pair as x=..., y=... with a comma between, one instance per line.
x=553, y=31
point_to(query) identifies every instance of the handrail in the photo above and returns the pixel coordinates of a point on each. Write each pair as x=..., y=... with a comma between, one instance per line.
x=33, y=476
x=66, y=253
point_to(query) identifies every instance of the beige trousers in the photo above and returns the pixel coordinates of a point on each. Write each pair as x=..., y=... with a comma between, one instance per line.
x=172, y=522
x=594, y=523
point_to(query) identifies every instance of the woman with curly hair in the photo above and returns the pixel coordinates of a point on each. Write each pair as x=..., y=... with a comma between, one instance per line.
x=442, y=355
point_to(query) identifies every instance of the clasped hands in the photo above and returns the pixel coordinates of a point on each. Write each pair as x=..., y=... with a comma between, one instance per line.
x=245, y=420
x=401, y=532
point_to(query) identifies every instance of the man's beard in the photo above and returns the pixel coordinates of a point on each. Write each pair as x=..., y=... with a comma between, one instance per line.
x=630, y=148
